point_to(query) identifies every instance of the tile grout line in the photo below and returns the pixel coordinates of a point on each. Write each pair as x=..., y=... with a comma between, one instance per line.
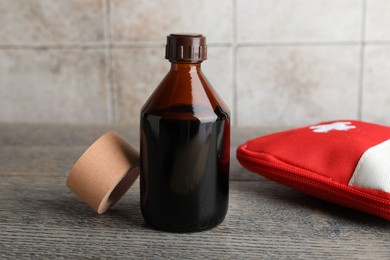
x=361, y=60
x=109, y=69
x=121, y=45
x=297, y=43
x=234, y=65
x=44, y=46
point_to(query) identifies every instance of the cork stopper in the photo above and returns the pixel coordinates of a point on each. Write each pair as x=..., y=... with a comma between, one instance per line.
x=104, y=172
x=186, y=48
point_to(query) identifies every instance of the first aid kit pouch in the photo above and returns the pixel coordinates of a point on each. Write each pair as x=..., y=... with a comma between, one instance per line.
x=345, y=162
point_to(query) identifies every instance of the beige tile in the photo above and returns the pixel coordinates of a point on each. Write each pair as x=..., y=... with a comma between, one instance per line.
x=57, y=86
x=152, y=21
x=289, y=86
x=377, y=20
x=376, y=90
x=299, y=20
x=46, y=21
x=138, y=71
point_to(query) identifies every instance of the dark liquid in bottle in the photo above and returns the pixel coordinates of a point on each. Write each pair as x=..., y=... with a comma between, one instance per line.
x=185, y=165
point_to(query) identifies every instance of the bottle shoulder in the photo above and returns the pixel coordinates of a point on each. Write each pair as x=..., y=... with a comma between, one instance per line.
x=188, y=90
x=184, y=112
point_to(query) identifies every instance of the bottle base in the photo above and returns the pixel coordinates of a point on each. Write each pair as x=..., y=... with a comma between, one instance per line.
x=207, y=225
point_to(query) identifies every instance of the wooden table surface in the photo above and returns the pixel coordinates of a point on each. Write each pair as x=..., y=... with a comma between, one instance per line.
x=41, y=218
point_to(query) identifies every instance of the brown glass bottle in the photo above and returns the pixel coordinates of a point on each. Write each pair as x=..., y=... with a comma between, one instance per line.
x=185, y=145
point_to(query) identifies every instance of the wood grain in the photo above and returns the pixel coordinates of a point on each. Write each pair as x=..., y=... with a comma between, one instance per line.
x=41, y=218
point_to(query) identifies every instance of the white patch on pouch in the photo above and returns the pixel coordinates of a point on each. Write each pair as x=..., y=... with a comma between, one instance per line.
x=338, y=126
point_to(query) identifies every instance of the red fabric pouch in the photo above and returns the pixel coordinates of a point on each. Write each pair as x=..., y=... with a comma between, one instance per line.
x=346, y=162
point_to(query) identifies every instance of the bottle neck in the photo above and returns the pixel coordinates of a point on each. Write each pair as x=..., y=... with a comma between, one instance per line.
x=185, y=66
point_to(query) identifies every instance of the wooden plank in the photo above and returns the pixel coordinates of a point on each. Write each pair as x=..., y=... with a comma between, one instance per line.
x=53, y=149
x=58, y=160
x=46, y=134
x=41, y=218
x=43, y=135
x=38, y=160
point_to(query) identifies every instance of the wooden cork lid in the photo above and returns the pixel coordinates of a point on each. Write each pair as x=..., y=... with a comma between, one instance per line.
x=104, y=172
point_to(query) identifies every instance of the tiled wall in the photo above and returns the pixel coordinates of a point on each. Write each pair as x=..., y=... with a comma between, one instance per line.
x=275, y=62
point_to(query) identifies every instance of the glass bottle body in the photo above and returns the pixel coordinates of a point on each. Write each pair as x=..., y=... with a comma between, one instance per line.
x=185, y=153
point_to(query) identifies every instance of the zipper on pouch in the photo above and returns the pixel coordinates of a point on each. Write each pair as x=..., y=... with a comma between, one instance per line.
x=298, y=178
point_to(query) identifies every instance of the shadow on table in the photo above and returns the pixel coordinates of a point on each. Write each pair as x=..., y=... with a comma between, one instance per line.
x=278, y=194
x=72, y=211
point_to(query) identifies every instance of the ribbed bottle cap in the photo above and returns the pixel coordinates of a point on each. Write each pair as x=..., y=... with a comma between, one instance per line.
x=190, y=48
